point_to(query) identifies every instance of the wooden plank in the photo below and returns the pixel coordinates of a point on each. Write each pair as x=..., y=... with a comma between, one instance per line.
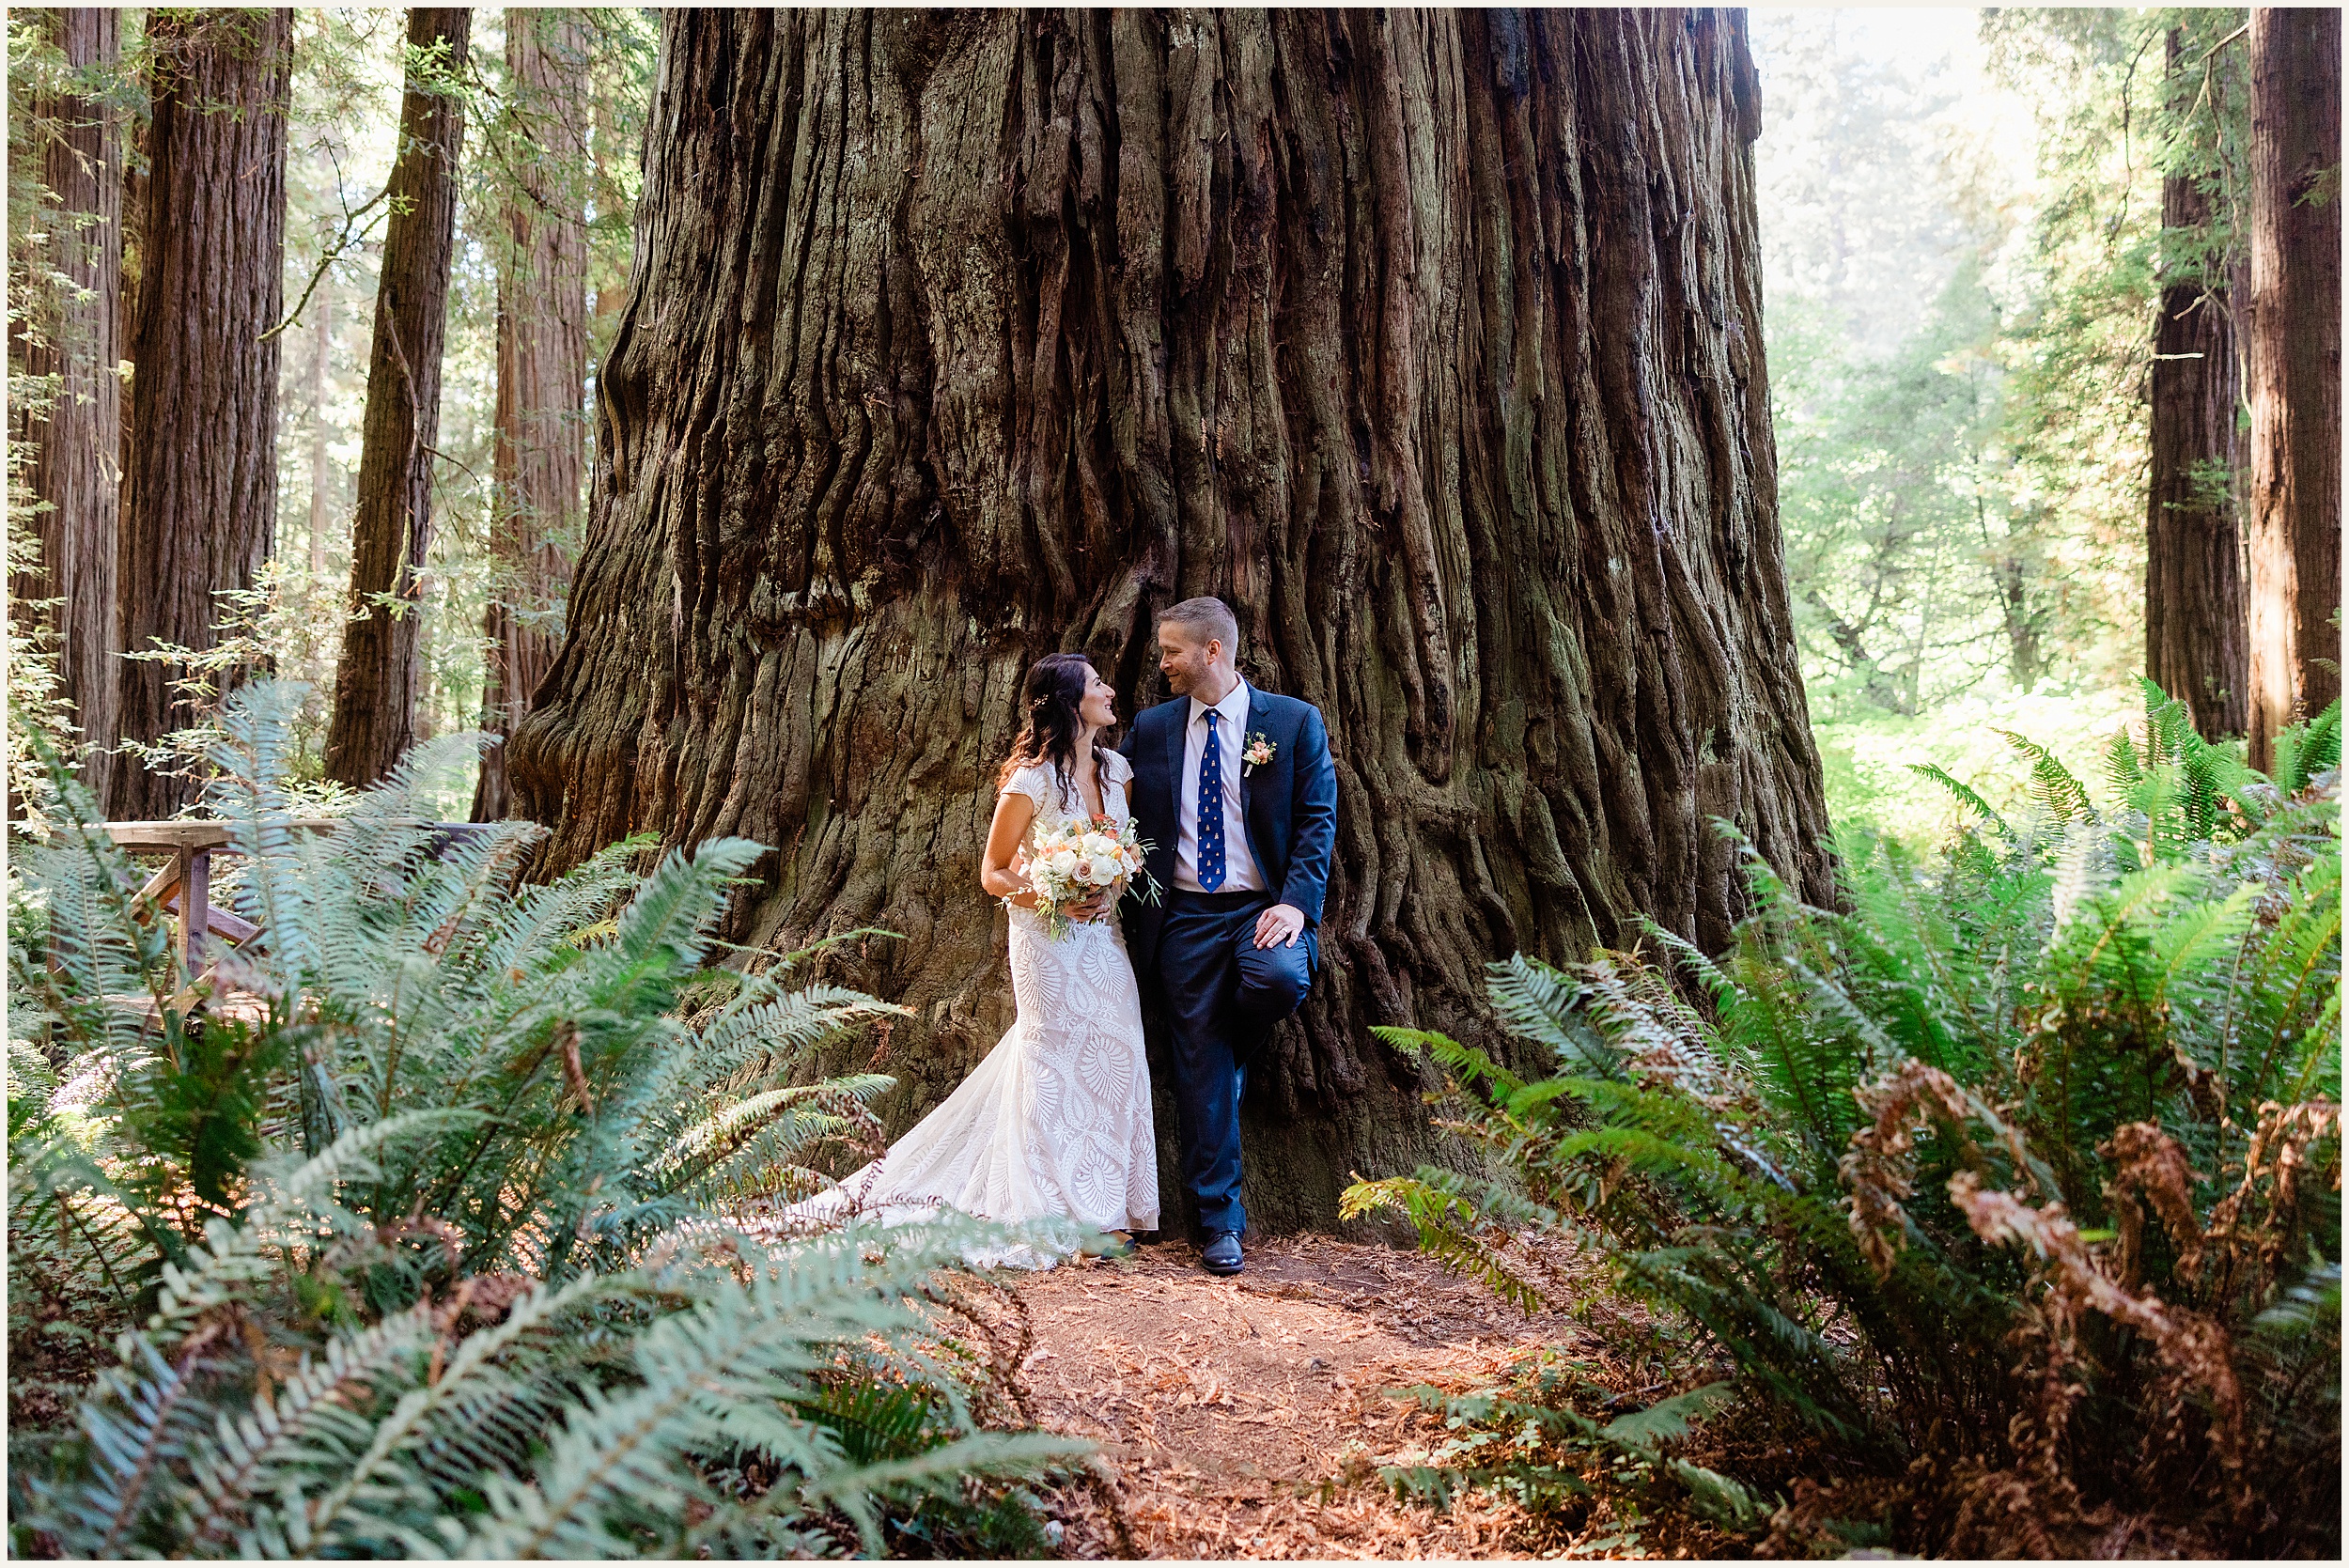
x=229, y=926
x=162, y=886
x=157, y=837
x=195, y=902
x=167, y=835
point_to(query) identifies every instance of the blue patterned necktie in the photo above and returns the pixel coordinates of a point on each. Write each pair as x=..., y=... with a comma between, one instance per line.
x=1211, y=810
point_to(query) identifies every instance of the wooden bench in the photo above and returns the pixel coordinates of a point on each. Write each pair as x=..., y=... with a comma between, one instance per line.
x=184, y=886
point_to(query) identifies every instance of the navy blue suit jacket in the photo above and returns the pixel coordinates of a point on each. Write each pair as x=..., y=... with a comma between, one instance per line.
x=1290, y=805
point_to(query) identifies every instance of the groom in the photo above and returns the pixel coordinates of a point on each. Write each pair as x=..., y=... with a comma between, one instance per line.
x=1235, y=789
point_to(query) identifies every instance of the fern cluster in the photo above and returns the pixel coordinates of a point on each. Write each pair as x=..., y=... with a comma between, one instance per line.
x=2015, y=1179
x=1531, y=1444
x=430, y=1228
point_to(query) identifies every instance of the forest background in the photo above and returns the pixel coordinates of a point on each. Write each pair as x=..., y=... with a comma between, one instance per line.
x=1960, y=215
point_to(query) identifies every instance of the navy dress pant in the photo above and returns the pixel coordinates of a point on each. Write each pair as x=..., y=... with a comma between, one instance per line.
x=1222, y=997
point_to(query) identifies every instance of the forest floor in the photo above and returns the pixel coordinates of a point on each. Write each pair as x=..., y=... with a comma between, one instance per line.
x=1248, y=1417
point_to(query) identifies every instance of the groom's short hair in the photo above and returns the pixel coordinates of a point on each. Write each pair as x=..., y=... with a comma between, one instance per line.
x=1205, y=620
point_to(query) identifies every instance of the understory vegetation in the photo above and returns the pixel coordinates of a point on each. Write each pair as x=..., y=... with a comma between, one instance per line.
x=441, y=1220
x=2010, y=1187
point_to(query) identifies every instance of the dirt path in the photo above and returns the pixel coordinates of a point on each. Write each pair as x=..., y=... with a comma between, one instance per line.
x=1246, y=1418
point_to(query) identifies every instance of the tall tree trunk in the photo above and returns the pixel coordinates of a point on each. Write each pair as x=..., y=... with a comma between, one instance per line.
x=2195, y=630
x=1431, y=339
x=609, y=192
x=199, y=499
x=375, y=682
x=71, y=334
x=2295, y=368
x=542, y=376
x=321, y=350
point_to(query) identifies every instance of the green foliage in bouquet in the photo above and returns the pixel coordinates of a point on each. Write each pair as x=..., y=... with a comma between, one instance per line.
x=2015, y=1180
x=430, y=1228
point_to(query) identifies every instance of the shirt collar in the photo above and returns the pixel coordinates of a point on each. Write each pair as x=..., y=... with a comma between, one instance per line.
x=1234, y=707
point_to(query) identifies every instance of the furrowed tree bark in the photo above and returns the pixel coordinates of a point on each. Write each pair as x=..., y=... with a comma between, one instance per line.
x=373, y=717
x=1431, y=340
x=2195, y=629
x=72, y=334
x=2294, y=370
x=199, y=496
x=542, y=377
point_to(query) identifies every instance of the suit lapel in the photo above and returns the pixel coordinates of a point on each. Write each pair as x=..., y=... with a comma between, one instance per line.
x=1259, y=718
x=1175, y=722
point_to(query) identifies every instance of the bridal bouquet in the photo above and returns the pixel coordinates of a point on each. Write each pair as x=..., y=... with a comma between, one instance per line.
x=1069, y=864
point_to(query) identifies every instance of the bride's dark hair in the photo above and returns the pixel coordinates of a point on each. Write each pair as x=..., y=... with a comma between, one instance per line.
x=1053, y=691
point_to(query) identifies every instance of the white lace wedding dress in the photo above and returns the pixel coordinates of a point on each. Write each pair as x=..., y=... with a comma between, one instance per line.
x=1056, y=1122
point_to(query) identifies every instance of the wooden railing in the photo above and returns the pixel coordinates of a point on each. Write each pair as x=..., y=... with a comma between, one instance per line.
x=184, y=886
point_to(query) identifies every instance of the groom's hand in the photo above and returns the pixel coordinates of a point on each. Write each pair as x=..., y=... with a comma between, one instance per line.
x=1279, y=925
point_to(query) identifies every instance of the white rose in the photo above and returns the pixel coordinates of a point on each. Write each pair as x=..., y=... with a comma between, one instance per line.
x=1099, y=844
x=1064, y=863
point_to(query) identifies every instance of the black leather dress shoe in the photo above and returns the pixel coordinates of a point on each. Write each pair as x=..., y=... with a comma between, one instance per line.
x=1220, y=1255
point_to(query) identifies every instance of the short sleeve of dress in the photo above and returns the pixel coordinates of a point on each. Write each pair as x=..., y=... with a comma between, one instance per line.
x=1121, y=769
x=1029, y=781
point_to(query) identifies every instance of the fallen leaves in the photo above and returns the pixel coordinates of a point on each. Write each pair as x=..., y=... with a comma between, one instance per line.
x=1247, y=1417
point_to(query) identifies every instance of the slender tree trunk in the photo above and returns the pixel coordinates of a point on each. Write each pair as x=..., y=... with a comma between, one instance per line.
x=2195, y=630
x=2007, y=577
x=2295, y=368
x=542, y=378
x=374, y=720
x=1430, y=339
x=72, y=334
x=321, y=350
x=137, y=164
x=609, y=197
x=200, y=501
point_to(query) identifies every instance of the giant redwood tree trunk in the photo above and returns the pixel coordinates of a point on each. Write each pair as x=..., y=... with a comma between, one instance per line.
x=70, y=333
x=2194, y=611
x=199, y=490
x=542, y=374
x=374, y=720
x=2295, y=368
x=1431, y=340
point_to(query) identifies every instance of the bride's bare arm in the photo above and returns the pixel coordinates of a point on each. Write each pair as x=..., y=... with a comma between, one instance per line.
x=997, y=872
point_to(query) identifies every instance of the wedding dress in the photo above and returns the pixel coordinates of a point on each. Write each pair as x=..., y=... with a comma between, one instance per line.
x=1056, y=1122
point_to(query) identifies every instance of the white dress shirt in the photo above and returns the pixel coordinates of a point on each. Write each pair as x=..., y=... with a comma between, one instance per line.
x=1240, y=874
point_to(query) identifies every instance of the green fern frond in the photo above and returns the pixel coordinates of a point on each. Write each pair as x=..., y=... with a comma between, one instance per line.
x=1966, y=795
x=1667, y=1418
x=1466, y=1063
x=1538, y=1003
x=2306, y=750
x=2058, y=793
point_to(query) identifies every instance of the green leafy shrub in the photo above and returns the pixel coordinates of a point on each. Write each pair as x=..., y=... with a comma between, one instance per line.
x=2015, y=1180
x=430, y=1228
x=1531, y=1444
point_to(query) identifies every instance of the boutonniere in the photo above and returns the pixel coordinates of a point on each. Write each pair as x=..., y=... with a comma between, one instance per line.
x=1259, y=752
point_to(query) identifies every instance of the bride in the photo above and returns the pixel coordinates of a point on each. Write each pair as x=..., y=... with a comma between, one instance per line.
x=1055, y=1123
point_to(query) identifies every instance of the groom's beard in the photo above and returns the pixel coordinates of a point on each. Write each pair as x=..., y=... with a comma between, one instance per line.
x=1184, y=681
